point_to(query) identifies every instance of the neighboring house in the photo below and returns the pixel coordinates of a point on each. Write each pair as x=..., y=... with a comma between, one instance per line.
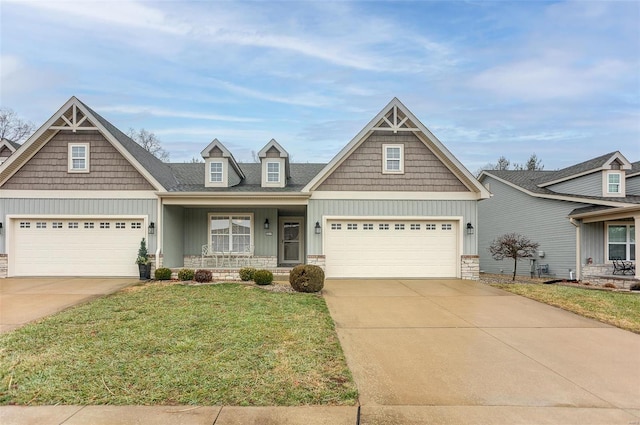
x=583, y=216
x=7, y=148
x=79, y=195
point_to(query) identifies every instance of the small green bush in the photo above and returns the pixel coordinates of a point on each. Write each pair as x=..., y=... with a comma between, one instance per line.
x=263, y=277
x=163, y=273
x=203, y=276
x=307, y=278
x=246, y=273
x=609, y=285
x=186, y=274
x=635, y=287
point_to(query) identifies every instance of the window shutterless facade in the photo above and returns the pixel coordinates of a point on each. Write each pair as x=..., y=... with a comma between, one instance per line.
x=273, y=172
x=215, y=172
x=621, y=242
x=78, y=155
x=393, y=159
x=231, y=233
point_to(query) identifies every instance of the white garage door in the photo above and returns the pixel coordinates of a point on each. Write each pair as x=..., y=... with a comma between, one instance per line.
x=75, y=247
x=391, y=248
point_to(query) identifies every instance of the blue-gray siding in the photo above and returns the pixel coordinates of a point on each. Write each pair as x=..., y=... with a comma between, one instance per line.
x=633, y=185
x=542, y=220
x=136, y=207
x=373, y=208
x=592, y=235
x=589, y=185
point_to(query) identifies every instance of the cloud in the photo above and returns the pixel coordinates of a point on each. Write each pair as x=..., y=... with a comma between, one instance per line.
x=160, y=112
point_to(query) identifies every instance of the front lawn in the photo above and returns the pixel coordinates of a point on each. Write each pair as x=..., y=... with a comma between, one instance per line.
x=224, y=344
x=621, y=309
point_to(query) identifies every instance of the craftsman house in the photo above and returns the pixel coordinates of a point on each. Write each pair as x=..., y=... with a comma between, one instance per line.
x=78, y=196
x=584, y=217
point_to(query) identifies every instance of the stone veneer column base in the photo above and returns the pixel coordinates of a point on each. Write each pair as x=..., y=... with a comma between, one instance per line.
x=317, y=260
x=4, y=265
x=470, y=267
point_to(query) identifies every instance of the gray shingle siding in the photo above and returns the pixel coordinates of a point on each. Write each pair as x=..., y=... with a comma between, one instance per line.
x=542, y=220
x=633, y=185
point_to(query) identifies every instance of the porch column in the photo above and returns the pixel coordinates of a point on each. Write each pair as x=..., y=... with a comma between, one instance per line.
x=636, y=222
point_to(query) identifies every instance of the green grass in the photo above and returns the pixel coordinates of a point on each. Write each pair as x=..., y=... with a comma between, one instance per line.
x=222, y=344
x=615, y=308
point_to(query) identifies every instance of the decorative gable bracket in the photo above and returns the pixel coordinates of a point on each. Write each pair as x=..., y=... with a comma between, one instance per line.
x=395, y=121
x=73, y=120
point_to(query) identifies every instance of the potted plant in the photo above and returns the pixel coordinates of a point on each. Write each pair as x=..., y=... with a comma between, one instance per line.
x=144, y=265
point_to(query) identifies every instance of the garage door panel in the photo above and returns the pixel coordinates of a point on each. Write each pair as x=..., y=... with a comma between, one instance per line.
x=102, y=247
x=391, y=248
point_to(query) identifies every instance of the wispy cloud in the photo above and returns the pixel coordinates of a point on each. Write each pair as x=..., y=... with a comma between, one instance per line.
x=160, y=112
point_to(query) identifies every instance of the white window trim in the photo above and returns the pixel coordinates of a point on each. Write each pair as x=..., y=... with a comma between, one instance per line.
x=621, y=185
x=70, y=167
x=225, y=172
x=278, y=173
x=211, y=180
x=385, y=148
x=628, y=224
x=230, y=215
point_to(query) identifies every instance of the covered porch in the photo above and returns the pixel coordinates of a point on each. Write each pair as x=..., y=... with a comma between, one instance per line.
x=606, y=244
x=225, y=233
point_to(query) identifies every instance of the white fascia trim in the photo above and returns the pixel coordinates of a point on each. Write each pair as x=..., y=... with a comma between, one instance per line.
x=5, y=143
x=394, y=196
x=77, y=194
x=610, y=214
x=559, y=197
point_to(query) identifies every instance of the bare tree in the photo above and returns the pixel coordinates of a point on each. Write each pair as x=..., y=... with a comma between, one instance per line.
x=513, y=245
x=14, y=128
x=195, y=160
x=149, y=142
x=534, y=164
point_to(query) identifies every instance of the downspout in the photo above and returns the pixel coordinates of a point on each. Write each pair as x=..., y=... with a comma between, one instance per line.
x=578, y=248
x=159, y=232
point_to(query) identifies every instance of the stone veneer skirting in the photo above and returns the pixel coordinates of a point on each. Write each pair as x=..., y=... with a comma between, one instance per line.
x=470, y=267
x=258, y=262
x=4, y=265
x=600, y=274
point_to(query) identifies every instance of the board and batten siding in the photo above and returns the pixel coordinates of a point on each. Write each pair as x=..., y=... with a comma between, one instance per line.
x=80, y=207
x=173, y=236
x=196, y=228
x=318, y=208
x=589, y=185
x=592, y=235
x=544, y=221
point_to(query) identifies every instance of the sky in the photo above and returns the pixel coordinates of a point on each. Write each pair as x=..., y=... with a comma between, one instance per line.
x=489, y=79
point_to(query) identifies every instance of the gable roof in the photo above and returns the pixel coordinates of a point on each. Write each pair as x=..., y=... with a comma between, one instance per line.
x=529, y=183
x=225, y=154
x=154, y=170
x=401, y=119
x=12, y=146
x=587, y=167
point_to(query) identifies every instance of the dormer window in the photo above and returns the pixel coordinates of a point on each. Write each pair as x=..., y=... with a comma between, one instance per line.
x=613, y=183
x=273, y=172
x=78, y=158
x=216, y=172
x=393, y=159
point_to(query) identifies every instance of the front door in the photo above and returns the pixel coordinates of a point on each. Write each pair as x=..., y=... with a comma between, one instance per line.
x=291, y=240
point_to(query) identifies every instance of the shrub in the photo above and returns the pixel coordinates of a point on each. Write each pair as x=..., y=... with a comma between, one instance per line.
x=263, y=277
x=609, y=285
x=246, y=273
x=307, y=278
x=163, y=273
x=186, y=274
x=203, y=276
x=635, y=287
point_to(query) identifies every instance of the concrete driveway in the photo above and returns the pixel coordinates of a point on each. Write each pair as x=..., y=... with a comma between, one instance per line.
x=453, y=351
x=23, y=300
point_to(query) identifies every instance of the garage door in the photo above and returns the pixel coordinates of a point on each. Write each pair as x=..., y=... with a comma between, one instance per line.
x=391, y=248
x=75, y=247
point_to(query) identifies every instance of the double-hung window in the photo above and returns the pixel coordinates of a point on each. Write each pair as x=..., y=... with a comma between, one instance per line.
x=215, y=172
x=78, y=157
x=621, y=242
x=273, y=172
x=230, y=233
x=613, y=183
x=393, y=159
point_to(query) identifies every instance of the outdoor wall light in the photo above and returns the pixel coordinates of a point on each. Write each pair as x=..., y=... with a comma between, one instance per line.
x=318, y=228
x=266, y=224
x=470, y=229
x=152, y=228
x=0, y=228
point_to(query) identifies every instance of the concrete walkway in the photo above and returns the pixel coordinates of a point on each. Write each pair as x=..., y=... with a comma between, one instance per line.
x=453, y=352
x=23, y=300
